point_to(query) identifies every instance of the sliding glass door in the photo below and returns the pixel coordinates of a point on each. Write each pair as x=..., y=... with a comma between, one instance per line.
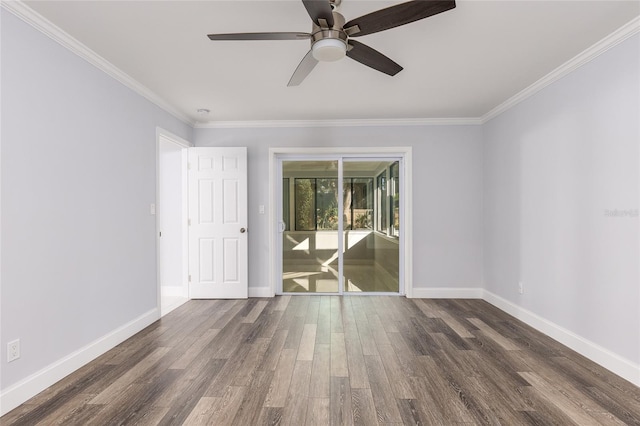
x=371, y=255
x=340, y=222
x=310, y=239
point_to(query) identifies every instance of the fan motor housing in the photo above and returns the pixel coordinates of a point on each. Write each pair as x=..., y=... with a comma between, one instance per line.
x=336, y=32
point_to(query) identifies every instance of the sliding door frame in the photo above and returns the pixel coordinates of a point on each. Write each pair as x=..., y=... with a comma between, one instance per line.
x=277, y=155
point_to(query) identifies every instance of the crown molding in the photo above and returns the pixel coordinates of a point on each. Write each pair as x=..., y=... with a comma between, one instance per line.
x=341, y=123
x=39, y=22
x=621, y=34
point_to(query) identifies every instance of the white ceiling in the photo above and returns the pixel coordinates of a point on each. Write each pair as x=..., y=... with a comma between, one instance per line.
x=461, y=63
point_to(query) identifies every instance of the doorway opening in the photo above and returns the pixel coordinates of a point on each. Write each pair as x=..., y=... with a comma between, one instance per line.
x=341, y=223
x=171, y=221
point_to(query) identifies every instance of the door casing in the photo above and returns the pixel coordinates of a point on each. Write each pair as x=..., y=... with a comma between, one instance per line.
x=276, y=155
x=162, y=134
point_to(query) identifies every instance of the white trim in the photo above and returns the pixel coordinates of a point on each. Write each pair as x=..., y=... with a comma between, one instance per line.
x=462, y=121
x=172, y=137
x=176, y=303
x=261, y=292
x=184, y=144
x=27, y=388
x=596, y=353
x=446, y=293
x=403, y=152
x=406, y=229
x=613, y=39
x=40, y=23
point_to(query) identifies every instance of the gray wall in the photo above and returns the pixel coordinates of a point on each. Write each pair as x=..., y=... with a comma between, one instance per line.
x=447, y=192
x=553, y=166
x=78, y=176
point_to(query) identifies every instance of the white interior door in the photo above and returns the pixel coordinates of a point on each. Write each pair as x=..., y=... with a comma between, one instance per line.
x=218, y=243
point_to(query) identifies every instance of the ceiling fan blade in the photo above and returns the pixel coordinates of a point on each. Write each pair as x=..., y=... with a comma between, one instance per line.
x=307, y=64
x=372, y=58
x=260, y=36
x=400, y=14
x=319, y=9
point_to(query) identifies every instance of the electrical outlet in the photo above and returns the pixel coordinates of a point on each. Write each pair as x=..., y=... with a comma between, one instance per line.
x=520, y=287
x=13, y=350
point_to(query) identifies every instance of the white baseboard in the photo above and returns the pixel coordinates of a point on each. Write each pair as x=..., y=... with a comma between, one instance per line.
x=624, y=368
x=446, y=293
x=29, y=387
x=260, y=292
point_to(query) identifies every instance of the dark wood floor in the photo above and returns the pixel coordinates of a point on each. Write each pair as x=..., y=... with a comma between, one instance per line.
x=336, y=360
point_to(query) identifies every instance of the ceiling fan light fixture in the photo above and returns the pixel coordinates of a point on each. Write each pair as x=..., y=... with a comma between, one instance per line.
x=329, y=49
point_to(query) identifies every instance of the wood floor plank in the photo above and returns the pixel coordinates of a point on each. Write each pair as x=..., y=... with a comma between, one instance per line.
x=398, y=381
x=233, y=367
x=251, y=406
x=279, y=389
x=406, y=358
x=68, y=411
x=323, y=332
x=494, y=335
x=295, y=334
x=591, y=407
x=318, y=412
x=438, y=393
x=336, y=360
x=570, y=408
x=364, y=410
x=250, y=362
x=270, y=325
x=413, y=413
x=364, y=331
x=181, y=404
x=341, y=409
x=460, y=329
x=117, y=387
x=270, y=416
x=307, y=342
x=202, y=368
x=336, y=314
x=377, y=330
x=194, y=350
x=272, y=355
x=355, y=359
x=339, y=367
x=217, y=410
x=312, y=311
x=385, y=403
x=283, y=302
x=388, y=314
x=255, y=312
x=295, y=409
x=321, y=371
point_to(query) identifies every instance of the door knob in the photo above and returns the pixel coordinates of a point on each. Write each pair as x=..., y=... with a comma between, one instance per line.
x=243, y=230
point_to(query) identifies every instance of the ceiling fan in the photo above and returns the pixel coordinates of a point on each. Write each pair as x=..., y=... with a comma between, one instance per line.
x=331, y=35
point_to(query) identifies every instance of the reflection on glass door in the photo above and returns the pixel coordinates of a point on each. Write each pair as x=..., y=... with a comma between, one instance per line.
x=371, y=233
x=361, y=218
x=310, y=240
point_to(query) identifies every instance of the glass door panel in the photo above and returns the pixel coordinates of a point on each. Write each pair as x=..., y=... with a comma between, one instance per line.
x=310, y=239
x=371, y=226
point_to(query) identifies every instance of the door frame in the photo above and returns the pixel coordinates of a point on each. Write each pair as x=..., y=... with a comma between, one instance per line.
x=275, y=189
x=184, y=144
